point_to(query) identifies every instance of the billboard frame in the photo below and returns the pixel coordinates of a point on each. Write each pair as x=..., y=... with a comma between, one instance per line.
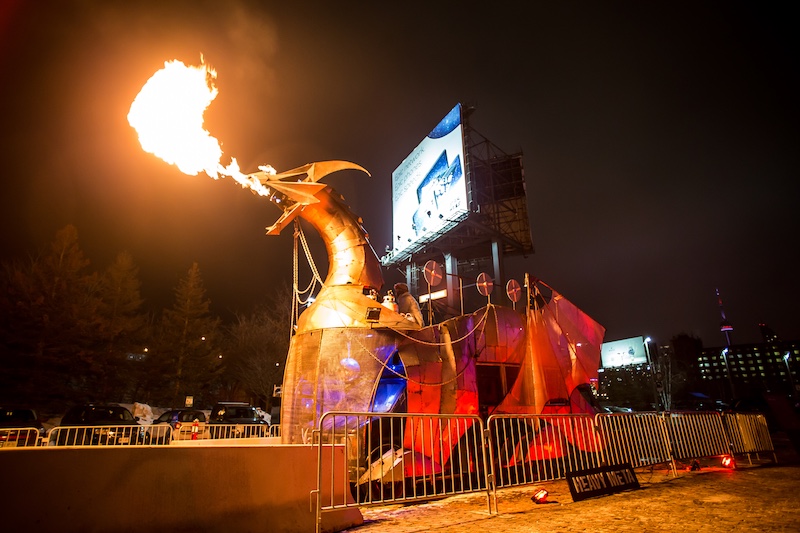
x=430, y=188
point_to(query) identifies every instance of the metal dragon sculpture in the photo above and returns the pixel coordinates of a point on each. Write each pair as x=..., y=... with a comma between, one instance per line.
x=345, y=344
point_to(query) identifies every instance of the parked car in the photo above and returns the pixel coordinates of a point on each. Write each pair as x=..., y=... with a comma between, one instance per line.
x=182, y=423
x=99, y=424
x=244, y=418
x=23, y=419
x=235, y=413
x=616, y=409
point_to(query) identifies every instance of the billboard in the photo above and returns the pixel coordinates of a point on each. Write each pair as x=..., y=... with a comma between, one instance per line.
x=623, y=352
x=429, y=188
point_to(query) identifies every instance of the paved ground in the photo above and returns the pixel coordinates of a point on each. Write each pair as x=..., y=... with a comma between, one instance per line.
x=763, y=497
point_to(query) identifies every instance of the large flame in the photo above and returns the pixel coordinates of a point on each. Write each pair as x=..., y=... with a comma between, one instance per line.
x=168, y=116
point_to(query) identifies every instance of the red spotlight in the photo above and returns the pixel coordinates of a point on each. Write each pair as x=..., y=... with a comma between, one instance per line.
x=540, y=496
x=728, y=462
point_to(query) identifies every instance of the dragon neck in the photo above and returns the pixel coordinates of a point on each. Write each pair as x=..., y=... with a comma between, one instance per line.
x=351, y=258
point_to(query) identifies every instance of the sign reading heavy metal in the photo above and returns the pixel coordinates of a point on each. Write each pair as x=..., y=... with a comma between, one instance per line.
x=601, y=481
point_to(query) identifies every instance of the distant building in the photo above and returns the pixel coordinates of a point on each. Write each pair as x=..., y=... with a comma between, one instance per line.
x=626, y=386
x=748, y=369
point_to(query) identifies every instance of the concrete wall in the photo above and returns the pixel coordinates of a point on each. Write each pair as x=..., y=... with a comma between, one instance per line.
x=165, y=488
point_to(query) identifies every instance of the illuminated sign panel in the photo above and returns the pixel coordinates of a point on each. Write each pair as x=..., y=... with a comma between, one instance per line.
x=429, y=187
x=623, y=352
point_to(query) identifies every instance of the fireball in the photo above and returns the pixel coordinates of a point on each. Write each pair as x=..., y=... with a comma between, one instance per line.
x=168, y=116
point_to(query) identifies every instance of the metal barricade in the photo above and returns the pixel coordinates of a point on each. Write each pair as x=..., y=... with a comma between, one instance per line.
x=18, y=437
x=275, y=430
x=526, y=449
x=398, y=457
x=160, y=434
x=696, y=434
x=748, y=433
x=237, y=431
x=125, y=435
x=638, y=439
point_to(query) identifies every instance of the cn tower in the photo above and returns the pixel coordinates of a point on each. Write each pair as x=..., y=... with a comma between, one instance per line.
x=724, y=326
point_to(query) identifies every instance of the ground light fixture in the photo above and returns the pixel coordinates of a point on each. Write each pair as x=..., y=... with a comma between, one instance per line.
x=728, y=462
x=540, y=496
x=694, y=466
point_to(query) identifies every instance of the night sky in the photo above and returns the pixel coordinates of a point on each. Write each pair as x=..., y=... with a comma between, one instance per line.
x=660, y=140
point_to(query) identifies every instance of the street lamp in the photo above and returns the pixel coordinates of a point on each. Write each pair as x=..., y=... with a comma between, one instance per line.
x=728, y=371
x=647, y=342
x=789, y=371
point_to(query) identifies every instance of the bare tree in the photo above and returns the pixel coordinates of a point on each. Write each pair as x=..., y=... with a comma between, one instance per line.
x=258, y=345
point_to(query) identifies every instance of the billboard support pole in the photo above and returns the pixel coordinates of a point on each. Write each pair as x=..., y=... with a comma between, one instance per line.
x=652, y=373
x=451, y=275
x=497, y=262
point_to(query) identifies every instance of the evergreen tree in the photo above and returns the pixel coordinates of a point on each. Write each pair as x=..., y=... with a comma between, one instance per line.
x=50, y=303
x=121, y=325
x=186, y=341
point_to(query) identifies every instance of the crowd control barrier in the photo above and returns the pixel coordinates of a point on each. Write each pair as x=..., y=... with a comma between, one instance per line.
x=132, y=435
x=123, y=435
x=393, y=458
x=525, y=449
x=237, y=431
x=638, y=439
x=16, y=437
x=696, y=434
x=748, y=434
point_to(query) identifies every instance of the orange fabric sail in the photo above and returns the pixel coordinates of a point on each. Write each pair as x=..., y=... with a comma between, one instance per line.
x=562, y=351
